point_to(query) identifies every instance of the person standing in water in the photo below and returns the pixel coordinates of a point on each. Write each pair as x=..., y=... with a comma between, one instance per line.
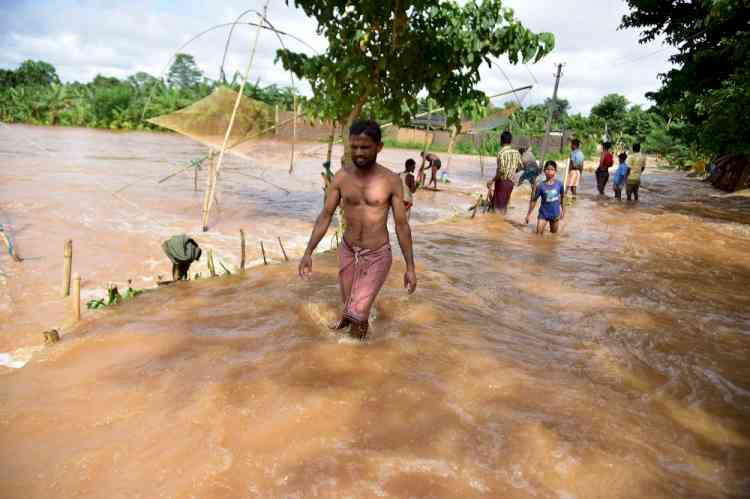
x=637, y=165
x=620, y=176
x=606, y=160
x=575, y=166
x=409, y=185
x=366, y=190
x=551, y=209
x=508, y=162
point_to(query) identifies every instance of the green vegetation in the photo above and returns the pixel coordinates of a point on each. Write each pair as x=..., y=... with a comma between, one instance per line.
x=708, y=93
x=32, y=93
x=375, y=48
x=113, y=297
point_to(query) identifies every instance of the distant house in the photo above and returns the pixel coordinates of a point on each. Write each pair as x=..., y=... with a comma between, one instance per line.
x=435, y=121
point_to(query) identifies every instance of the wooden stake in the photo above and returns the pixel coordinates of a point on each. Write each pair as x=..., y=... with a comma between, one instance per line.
x=242, y=250
x=263, y=250
x=76, y=297
x=67, y=266
x=283, y=250
x=210, y=262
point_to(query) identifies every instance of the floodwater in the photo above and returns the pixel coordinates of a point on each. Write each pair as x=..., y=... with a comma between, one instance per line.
x=609, y=361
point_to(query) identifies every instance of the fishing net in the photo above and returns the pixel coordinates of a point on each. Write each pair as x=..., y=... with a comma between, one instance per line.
x=207, y=120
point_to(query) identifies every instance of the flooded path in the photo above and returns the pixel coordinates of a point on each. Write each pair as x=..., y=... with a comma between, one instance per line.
x=610, y=361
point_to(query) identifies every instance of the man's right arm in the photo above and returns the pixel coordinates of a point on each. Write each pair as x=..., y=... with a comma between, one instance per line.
x=333, y=197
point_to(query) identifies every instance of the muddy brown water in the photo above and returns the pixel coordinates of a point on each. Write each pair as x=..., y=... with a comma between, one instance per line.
x=608, y=361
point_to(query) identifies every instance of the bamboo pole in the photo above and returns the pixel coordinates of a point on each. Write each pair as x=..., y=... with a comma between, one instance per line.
x=209, y=185
x=67, y=267
x=263, y=250
x=454, y=132
x=76, y=297
x=210, y=194
x=210, y=262
x=276, y=119
x=294, y=132
x=242, y=250
x=283, y=251
x=481, y=158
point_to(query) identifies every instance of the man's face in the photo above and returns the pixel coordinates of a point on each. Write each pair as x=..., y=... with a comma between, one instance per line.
x=364, y=150
x=549, y=173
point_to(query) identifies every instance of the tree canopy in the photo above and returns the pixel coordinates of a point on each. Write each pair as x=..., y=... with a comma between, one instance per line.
x=710, y=88
x=184, y=73
x=384, y=54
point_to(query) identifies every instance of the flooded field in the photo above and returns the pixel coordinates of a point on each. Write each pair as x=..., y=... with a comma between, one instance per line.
x=610, y=361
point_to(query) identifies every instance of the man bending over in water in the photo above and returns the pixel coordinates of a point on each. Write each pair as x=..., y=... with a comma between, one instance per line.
x=367, y=191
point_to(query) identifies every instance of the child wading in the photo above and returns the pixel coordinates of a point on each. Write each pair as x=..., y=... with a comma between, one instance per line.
x=621, y=175
x=551, y=209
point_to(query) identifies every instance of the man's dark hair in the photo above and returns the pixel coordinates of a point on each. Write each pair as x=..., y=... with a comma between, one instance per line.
x=367, y=127
x=506, y=138
x=521, y=150
x=637, y=147
x=410, y=162
x=622, y=156
x=551, y=163
x=607, y=145
x=576, y=142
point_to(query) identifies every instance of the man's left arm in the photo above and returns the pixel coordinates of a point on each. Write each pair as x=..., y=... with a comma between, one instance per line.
x=403, y=232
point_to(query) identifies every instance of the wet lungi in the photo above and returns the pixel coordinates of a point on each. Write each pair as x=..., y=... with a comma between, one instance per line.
x=362, y=273
x=501, y=197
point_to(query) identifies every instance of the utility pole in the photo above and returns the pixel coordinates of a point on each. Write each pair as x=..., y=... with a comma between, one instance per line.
x=549, y=115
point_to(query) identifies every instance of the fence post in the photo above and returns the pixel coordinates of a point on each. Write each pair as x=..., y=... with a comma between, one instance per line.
x=68, y=266
x=76, y=297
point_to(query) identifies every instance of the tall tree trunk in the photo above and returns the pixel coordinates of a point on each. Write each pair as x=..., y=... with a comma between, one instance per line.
x=331, y=138
x=353, y=115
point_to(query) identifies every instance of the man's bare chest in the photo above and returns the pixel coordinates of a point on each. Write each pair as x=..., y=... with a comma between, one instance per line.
x=373, y=193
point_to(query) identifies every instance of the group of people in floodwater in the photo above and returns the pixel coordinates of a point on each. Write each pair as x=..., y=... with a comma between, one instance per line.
x=366, y=191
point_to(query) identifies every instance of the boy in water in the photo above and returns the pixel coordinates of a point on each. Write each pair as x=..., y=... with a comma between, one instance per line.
x=551, y=209
x=409, y=184
x=621, y=175
x=637, y=165
x=575, y=167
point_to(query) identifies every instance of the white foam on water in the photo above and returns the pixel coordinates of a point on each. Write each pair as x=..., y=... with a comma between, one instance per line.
x=18, y=358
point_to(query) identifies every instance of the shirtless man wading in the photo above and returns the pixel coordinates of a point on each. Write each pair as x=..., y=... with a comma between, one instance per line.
x=367, y=191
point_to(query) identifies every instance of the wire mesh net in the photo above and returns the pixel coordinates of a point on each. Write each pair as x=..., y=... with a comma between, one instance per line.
x=207, y=120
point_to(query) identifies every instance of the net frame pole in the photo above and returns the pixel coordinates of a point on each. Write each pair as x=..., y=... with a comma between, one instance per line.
x=210, y=192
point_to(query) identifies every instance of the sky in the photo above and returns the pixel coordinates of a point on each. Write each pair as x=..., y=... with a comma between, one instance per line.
x=84, y=38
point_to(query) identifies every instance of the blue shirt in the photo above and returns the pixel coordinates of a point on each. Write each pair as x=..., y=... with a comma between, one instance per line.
x=551, y=195
x=576, y=157
x=621, y=174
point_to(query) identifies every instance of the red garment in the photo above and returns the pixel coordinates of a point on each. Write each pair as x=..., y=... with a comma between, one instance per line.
x=606, y=162
x=362, y=273
x=501, y=197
